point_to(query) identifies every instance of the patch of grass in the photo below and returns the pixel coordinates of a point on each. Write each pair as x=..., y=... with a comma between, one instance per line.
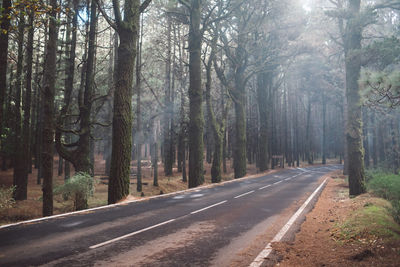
x=387, y=186
x=371, y=222
x=6, y=199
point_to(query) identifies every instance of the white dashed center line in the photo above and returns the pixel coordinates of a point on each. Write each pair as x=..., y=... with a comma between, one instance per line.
x=264, y=187
x=244, y=194
x=206, y=208
x=129, y=235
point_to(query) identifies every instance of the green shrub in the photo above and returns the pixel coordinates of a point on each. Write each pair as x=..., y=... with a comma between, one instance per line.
x=6, y=197
x=78, y=187
x=386, y=185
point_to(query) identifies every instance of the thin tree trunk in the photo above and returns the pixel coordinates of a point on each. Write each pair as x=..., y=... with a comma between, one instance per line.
x=196, y=123
x=374, y=141
x=263, y=82
x=324, y=128
x=48, y=111
x=365, y=137
x=20, y=183
x=4, y=32
x=167, y=127
x=139, y=134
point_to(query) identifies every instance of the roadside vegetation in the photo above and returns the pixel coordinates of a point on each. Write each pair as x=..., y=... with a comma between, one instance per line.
x=6, y=197
x=386, y=185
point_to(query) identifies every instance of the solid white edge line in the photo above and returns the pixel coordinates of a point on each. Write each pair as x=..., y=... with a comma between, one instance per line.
x=206, y=208
x=258, y=261
x=129, y=235
x=244, y=194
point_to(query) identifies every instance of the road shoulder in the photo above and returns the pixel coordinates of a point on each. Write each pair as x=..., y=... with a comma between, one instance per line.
x=321, y=242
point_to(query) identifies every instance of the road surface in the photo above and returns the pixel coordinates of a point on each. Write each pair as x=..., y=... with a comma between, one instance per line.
x=224, y=225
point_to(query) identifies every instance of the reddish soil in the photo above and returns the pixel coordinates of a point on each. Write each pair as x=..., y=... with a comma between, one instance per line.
x=317, y=243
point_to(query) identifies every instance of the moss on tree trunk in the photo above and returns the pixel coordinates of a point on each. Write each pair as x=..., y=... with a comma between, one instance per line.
x=353, y=36
x=196, y=120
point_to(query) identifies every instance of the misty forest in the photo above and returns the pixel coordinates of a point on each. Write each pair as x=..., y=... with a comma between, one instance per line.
x=103, y=101
x=115, y=101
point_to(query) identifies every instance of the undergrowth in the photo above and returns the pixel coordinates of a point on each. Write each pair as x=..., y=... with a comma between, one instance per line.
x=387, y=186
x=371, y=222
x=6, y=197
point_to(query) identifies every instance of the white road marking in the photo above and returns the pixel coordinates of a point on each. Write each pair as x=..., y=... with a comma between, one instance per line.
x=124, y=203
x=258, y=261
x=196, y=195
x=72, y=224
x=278, y=182
x=206, y=208
x=287, y=179
x=261, y=188
x=244, y=194
x=129, y=235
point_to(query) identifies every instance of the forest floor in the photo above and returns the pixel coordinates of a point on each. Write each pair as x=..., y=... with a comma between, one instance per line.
x=343, y=231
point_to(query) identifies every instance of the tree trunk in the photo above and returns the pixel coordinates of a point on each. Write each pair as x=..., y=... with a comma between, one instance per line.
x=308, y=133
x=263, y=82
x=19, y=182
x=4, y=30
x=324, y=128
x=365, y=139
x=139, y=134
x=60, y=166
x=216, y=128
x=196, y=123
x=374, y=141
x=167, y=127
x=48, y=91
x=355, y=151
x=118, y=187
x=154, y=153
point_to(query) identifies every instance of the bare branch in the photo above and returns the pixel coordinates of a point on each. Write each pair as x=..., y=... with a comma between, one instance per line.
x=106, y=17
x=144, y=5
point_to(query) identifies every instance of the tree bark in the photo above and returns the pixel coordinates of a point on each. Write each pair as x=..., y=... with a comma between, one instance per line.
x=4, y=30
x=353, y=36
x=324, y=148
x=217, y=129
x=127, y=29
x=139, y=133
x=48, y=92
x=196, y=123
x=374, y=141
x=263, y=82
x=20, y=192
x=26, y=130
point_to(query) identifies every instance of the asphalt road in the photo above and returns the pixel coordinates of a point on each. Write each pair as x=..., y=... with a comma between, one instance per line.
x=205, y=227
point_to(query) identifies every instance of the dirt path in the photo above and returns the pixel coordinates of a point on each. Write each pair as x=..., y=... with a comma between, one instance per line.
x=320, y=241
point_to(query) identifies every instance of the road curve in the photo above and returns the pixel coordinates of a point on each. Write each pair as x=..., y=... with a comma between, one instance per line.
x=204, y=227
